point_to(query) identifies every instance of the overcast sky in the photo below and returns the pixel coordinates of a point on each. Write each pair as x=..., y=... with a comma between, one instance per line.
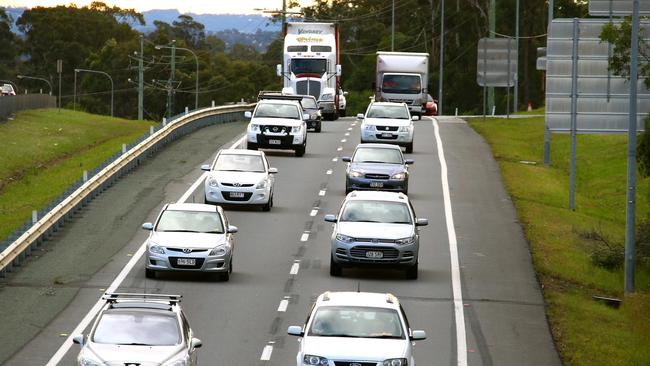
x=192, y=6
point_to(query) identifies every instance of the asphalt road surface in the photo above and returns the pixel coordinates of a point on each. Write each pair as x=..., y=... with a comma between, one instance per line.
x=477, y=296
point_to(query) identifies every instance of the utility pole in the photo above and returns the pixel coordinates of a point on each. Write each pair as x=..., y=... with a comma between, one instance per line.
x=516, y=91
x=141, y=80
x=442, y=56
x=392, y=29
x=493, y=28
x=59, y=70
x=170, y=88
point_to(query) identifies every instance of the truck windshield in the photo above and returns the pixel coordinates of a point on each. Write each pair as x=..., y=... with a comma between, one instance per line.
x=308, y=66
x=402, y=84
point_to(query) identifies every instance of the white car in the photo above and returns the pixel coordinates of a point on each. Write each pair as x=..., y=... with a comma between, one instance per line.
x=389, y=123
x=356, y=328
x=240, y=177
x=277, y=124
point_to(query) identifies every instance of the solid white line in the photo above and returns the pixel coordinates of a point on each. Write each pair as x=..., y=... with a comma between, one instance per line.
x=321, y=192
x=329, y=172
x=193, y=188
x=335, y=159
x=294, y=269
x=67, y=344
x=313, y=212
x=304, y=236
x=284, y=304
x=461, y=338
x=266, y=353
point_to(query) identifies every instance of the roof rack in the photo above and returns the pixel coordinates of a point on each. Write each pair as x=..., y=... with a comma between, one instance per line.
x=280, y=96
x=115, y=296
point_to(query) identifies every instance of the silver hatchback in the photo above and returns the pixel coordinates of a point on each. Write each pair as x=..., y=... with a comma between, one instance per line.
x=190, y=237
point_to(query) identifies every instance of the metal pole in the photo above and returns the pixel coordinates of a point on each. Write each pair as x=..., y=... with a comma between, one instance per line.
x=74, y=94
x=484, y=77
x=515, y=99
x=574, y=102
x=492, y=25
x=59, y=92
x=547, y=131
x=392, y=29
x=630, y=212
x=141, y=80
x=59, y=70
x=112, y=93
x=508, y=83
x=550, y=14
x=102, y=73
x=442, y=57
x=196, y=97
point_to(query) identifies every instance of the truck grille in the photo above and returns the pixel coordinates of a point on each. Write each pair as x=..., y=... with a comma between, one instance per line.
x=308, y=87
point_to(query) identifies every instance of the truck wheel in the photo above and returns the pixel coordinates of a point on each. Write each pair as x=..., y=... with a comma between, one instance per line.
x=409, y=147
x=251, y=146
x=300, y=150
x=342, y=112
x=335, y=268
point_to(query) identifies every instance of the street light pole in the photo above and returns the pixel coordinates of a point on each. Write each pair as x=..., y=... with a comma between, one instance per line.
x=516, y=91
x=36, y=78
x=102, y=73
x=196, y=60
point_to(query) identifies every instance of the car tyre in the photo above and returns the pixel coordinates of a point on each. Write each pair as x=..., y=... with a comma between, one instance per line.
x=205, y=201
x=412, y=272
x=318, y=127
x=149, y=273
x=251, y=146
x=268, y=205
x=335, y=269
x=342, y=112
x=409, y=147
x=300, y=150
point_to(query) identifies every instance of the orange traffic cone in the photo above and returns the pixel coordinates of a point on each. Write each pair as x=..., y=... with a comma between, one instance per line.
x=530, y=106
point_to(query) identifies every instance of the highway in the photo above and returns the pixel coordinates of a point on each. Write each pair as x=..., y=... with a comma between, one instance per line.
x=281, y=262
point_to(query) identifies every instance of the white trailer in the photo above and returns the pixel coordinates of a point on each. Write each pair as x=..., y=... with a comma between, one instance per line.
x=403, y=77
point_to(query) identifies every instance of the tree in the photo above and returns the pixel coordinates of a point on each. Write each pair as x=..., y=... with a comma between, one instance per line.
x=7, y=47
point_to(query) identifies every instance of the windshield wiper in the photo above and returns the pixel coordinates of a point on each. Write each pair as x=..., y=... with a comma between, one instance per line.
x=339, y=335
x=384, y=336
x=231, y=170
x=180, y=231
x=133, y=344
x=399, y=222
x=365, y=221
x=374, y=161
x=212, y=232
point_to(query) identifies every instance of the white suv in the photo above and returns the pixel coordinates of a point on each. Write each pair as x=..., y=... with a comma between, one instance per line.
x=277, y=124
x=390, y=123
x=356, y=328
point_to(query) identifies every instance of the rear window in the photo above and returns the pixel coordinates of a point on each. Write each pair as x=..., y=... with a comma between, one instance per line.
x=137, y=328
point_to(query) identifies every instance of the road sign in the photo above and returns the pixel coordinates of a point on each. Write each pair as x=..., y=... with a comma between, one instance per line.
x=497, y=62
x=602, y=102
x=605, y=8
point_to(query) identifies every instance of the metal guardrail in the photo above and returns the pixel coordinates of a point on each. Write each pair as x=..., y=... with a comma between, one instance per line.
x=20, y=244
x=13, y=103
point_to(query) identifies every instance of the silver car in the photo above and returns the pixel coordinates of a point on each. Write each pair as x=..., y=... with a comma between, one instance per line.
x=139, y=329
x=190, y=237
x=375, y=228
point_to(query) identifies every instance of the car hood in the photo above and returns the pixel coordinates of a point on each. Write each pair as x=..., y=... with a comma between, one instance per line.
x=187, y=240
x=237, y=177
x=142, y=355
x=276, y=121
x=387, y=122
x=377, y=168
x=375, y=230
x=354, y=349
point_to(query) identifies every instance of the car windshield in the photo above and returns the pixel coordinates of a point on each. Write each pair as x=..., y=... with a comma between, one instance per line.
x=388, y=111
x=377, y=155
x=402, y=84
x=308, y=66
x=356, y=322
x=239, y=163
x=190, y=221
x=137, y=328
x=308, y=103
x=376, y=211
x=268, y=110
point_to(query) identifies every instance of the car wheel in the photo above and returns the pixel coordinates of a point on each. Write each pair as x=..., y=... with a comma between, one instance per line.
x=268, y=205
x=412, y=272
x=149, y=273
x=409, y=148
x=318, y=127
x=205, y=200
x=224, y=276
x=335, y=268
x=251, y=146
x=300, y=150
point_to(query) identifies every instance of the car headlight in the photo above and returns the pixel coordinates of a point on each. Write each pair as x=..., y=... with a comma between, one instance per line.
x=87, y=361
x=355, y=174
x=399, y=176
x=344, y=238
x=327, y=97
x=254, y=127
x=219, y=251
x=156, y=249
x=262, y=184
x=296, y=129
x=315, y=360
x=405, y=241
x=405, y=129
x=395, y=362
x=368, y=127
x=213, y=182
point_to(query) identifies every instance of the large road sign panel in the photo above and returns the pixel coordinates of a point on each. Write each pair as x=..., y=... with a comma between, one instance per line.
x=492, y=65
x=617, y=7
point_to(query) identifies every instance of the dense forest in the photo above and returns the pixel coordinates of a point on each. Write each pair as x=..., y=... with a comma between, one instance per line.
x=101, y=37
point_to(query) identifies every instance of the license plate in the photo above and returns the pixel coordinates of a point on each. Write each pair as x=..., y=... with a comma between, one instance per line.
x=376, y=184
x=373, y=254
x=186, y=261
x=386, y=135
x=236, y=194
x=275, y=142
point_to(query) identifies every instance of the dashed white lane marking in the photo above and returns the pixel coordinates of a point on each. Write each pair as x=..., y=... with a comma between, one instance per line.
x=313, y=212
x=329, y=172
x=344, y=140
x=304, y=236
x=322, y=192
x=67, y=344
x=349, y=128
x=284, y=304
x=340, y=148
x=461, y=338
x=294, y=268
x=347, y=134
x=335, y=159
x=266, y=353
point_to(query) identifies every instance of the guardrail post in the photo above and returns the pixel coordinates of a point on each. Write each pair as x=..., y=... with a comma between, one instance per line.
x=85, y=176
x=123, y=148
x=34, y=216
x=187, y=110
x=213, y=104
x=164, y=121
x=150, y=130
x=456, y=113
x=494, y=110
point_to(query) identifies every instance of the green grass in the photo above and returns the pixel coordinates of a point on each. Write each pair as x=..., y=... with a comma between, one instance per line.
x=44, y=151
x=586, y=332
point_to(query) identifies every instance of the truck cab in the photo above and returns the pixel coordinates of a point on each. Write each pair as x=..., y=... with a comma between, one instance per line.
x=277, y=124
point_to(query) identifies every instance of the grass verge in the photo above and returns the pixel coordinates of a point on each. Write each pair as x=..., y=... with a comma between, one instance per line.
x=44, y=151
x=586, y=332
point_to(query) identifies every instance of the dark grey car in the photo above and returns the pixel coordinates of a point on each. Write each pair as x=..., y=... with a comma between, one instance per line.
x=377, y=167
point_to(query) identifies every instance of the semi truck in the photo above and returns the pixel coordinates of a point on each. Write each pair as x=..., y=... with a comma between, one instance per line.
x=402, y=77
x=311, y=64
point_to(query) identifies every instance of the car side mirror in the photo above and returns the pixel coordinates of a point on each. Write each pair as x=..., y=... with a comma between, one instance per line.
x=330, y=218
x=295, y=330
x=196, y=343
x=421, y=222
x=205, y=167
x=273, y=170
x=248, y=114
x=346, y=159
x=232, y=229
x=306, y=116
x=79, y=339
x=360, y=116
x=409, y=161
x=418, y=335
x=147, y=226
x=414, y=118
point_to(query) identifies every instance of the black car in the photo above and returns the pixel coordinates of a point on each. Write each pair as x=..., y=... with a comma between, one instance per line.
x=308, y=103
